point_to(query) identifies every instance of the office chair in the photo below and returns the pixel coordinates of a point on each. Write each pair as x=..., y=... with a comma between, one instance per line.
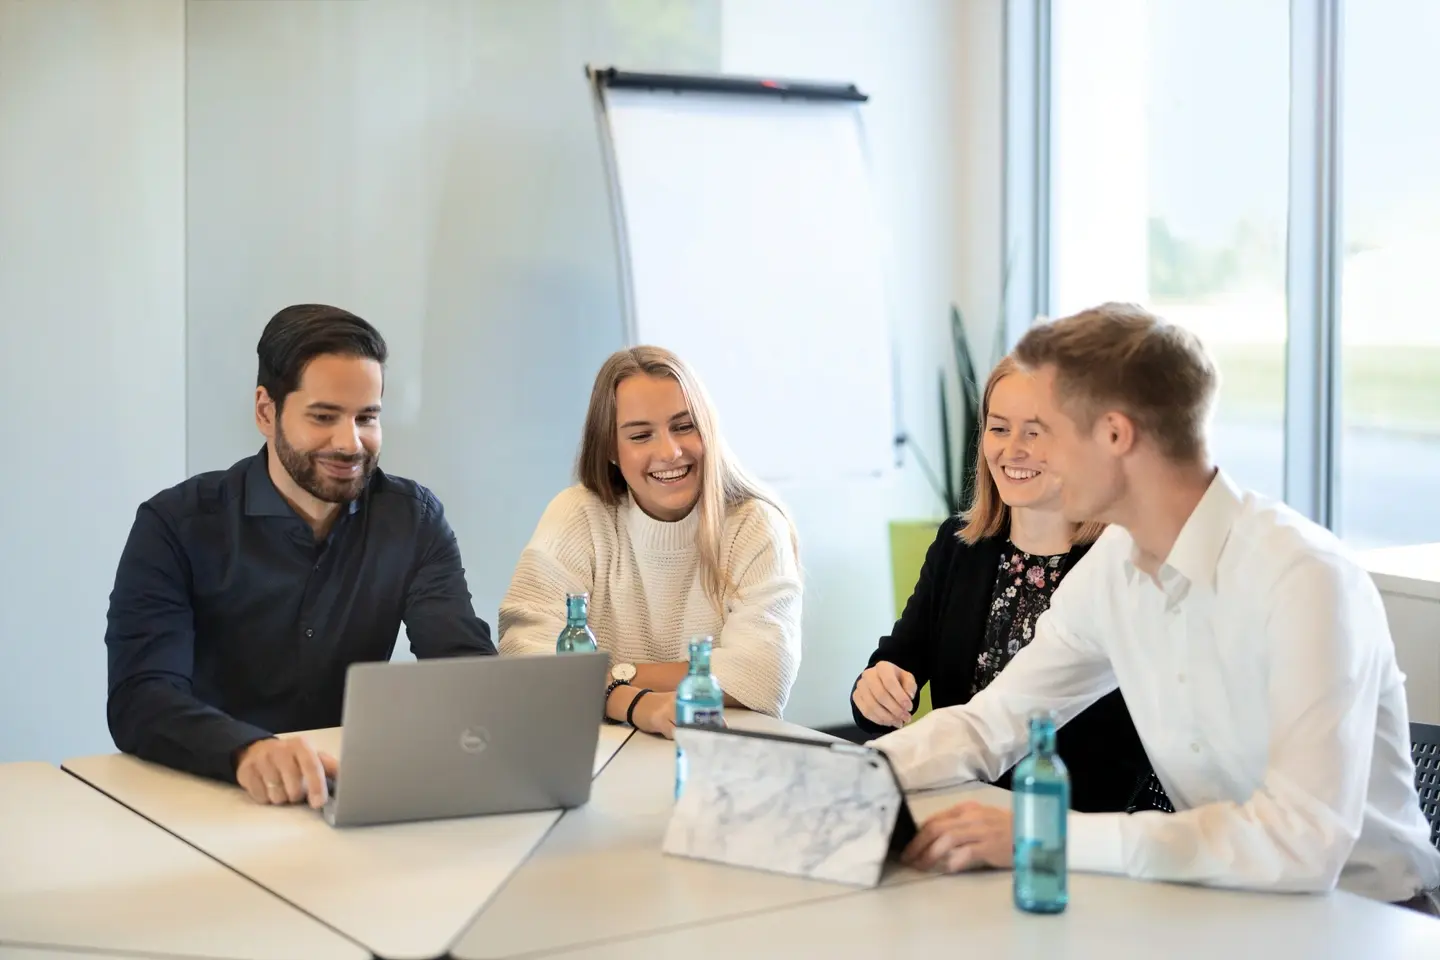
x=1425, y=751
x=1149, y=794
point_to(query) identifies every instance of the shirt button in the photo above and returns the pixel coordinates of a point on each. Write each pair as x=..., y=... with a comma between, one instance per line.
x=1179, y=678
x=1195, y=748
x=311, y=633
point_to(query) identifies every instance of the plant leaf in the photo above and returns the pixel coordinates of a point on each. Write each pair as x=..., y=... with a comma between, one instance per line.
x=970, y=408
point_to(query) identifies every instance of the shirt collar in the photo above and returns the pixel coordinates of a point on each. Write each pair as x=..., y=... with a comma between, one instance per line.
x=261, y=497
x=1195, y=556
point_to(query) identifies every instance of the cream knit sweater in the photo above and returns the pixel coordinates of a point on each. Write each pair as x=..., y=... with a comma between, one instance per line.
x=646, y=598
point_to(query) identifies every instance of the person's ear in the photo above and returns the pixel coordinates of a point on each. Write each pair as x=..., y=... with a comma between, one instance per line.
x=265, y=413
x=1117, y=432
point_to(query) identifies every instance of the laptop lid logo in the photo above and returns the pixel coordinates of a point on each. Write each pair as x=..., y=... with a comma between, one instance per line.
x=474, y=739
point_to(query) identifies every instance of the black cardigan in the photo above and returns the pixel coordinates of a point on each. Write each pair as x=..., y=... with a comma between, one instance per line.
x=938, y=638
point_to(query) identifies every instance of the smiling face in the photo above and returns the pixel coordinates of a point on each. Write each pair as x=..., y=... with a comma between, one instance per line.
x=326, y=434
x=658, y=448
x=1013, y=446
x=1089, y=459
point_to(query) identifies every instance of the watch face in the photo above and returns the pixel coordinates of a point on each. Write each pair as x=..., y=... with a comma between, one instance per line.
x=622, y=671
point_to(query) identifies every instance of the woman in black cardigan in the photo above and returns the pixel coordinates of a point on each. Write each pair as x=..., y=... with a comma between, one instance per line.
x=987, y=578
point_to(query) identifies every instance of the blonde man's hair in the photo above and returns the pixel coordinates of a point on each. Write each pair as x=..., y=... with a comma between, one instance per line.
x=987, y=515
x=1119, y=356
x=723, y=482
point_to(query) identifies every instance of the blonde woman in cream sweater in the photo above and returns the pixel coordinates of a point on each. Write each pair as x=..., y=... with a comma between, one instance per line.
x=671, y=539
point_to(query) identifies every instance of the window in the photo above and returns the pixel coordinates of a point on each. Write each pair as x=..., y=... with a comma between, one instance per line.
x=1389, y=455
x=1169, y=178
x=1170, y=130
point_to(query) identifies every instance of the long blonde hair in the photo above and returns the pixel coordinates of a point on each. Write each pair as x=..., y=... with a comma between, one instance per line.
x=988, y=516
x=723, y=482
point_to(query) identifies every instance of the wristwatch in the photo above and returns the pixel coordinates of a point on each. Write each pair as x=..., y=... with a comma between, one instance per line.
x=620, y=675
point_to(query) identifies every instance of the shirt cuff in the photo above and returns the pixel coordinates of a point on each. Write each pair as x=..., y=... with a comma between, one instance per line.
x=219, y=758
x=919, y=761
x=893, y=745
x=1095, y=843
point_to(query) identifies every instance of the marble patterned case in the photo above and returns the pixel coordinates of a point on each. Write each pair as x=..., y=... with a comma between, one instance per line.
x=825, y=810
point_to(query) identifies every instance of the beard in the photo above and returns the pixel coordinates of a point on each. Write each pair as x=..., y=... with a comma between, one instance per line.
x=304, y=468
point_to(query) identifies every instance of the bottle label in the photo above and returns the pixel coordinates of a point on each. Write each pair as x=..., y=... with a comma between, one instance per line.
x=702, y=717
x=1039, y=818
x=1039, y=835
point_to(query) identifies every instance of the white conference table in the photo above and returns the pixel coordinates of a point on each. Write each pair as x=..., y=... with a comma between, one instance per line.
x=621, y=897
x=592, y=883
x=401, y=890
x=1109, y=918
x=601, y=868
x=8, y=952
x=82, y=873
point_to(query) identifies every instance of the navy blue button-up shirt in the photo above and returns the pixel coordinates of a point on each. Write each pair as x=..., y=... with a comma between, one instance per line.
x=229, y=622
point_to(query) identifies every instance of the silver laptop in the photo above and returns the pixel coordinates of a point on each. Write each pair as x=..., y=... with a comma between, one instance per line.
x=466, y=736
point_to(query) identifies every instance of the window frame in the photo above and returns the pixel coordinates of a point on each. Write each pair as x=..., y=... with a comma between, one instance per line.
x=1313, y=405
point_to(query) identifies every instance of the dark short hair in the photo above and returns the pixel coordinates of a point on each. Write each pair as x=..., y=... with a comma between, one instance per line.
x=1122, y=356
x=300, y=333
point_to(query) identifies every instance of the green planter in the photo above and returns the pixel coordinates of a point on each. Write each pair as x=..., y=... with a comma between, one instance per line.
x=909, y=542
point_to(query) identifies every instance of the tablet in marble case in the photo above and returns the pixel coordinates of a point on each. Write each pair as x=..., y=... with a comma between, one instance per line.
x=828, y=811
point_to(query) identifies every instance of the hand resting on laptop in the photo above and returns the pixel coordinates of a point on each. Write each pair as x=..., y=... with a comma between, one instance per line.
x=276, y=771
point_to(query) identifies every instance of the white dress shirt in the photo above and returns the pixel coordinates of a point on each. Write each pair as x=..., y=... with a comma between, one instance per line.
x=1259, y=671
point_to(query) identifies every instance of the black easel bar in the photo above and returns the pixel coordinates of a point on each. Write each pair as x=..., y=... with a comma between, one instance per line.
x=744, y=86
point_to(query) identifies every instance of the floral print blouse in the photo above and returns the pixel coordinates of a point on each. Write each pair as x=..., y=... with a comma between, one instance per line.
x=1024, y=584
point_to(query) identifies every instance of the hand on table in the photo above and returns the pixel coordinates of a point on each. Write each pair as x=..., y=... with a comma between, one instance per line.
x=285, y=771
x=885, y=694
x=966, y=836
x=655, y=713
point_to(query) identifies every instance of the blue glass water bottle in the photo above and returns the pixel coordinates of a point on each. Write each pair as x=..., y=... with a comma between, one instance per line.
x=698, y=700
x=1041, y=793
x=576, y=637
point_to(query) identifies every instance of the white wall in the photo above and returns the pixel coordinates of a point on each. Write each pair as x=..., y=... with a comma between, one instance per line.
x=977, y=64
x=92, y=338
x=902, y=55
x=432, y=165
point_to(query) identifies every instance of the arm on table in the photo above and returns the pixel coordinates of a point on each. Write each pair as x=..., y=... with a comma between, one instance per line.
x=1062, y=670
x=559, y=559
x=666, y=677
x=150, y=642
x=757, y=654
x=1297, y=830
x=439, y=613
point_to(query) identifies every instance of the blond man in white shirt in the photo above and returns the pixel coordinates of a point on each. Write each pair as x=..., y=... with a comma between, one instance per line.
x=1252, y=650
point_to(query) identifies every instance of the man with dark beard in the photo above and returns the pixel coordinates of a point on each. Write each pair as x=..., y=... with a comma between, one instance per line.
x=243, y=595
